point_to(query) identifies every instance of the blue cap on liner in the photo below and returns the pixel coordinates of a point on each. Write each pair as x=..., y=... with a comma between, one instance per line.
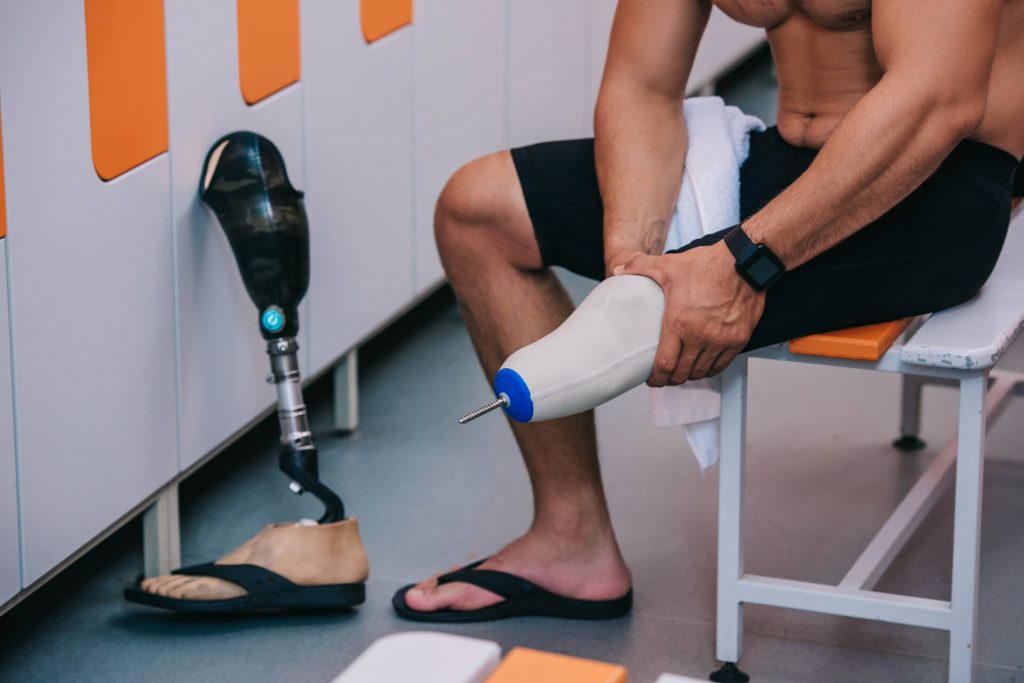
x=520, y=405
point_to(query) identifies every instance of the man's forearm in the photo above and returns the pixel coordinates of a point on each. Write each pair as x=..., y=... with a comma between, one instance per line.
x=640, y=145
x=885, y=147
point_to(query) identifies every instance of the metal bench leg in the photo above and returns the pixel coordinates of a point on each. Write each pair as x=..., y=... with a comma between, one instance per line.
x=730, y=521
x=346, y=392
x=910, y=414
x=967, y=527
x=161, y=534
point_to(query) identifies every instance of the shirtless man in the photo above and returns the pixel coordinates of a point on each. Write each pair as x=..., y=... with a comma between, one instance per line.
x=884, y=192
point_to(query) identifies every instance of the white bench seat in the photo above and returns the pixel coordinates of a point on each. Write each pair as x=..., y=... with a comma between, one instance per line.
x=956, y=346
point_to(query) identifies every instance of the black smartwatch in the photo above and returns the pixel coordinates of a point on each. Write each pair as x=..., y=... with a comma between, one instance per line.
x=754, y=262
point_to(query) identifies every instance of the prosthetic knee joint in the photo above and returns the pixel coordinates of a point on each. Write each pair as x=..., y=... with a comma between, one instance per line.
x=246, y=184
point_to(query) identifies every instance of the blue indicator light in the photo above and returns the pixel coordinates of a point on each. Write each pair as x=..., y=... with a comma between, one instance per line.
x=272, y=319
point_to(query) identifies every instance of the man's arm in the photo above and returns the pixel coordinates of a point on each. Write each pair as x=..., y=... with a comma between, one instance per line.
x=640, y=136
x=937, y=57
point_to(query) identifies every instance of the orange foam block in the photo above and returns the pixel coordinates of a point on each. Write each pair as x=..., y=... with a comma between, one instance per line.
x=531, y=666
x=869, y=342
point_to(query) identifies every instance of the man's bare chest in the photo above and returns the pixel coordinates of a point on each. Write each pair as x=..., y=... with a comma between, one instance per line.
x=834, y=15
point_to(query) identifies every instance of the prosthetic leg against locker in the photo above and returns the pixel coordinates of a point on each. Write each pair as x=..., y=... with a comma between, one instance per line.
x=246, y=184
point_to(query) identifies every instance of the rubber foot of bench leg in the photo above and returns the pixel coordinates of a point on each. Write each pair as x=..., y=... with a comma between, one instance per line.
x=729, y=674
x=908, y=442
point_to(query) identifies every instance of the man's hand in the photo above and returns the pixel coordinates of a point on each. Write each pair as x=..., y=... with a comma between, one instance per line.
x=710, y=311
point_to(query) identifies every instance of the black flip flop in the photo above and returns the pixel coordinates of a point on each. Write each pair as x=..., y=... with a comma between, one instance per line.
x=266, y=590
x=522, y=598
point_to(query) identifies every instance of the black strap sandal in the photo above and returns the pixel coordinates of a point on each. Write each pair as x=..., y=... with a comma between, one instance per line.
x=266, y=590
x=522, y=598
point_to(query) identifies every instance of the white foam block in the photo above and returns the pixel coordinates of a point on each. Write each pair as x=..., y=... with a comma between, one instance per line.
x=423, y=657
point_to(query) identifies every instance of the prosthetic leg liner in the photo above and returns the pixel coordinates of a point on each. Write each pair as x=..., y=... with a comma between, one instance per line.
x=603, y=349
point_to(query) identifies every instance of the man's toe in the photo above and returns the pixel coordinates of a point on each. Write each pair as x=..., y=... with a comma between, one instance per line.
x=453, y=596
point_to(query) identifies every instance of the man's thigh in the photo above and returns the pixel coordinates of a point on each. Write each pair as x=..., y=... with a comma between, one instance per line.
x=559, y=182
x=933, y=250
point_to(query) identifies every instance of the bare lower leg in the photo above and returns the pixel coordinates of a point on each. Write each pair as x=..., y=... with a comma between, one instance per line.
x=508, y=301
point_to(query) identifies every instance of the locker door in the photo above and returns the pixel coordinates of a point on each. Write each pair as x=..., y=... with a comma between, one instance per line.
x=549, y=70
x=10, y=558
x=220, y=56
x=91, y=281
x=358, y=123
x=460, y=104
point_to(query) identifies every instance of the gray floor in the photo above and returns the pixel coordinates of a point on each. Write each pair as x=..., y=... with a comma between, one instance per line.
x=431, y=494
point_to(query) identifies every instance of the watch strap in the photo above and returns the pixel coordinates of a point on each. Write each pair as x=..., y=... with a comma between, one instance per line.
x=738, y=243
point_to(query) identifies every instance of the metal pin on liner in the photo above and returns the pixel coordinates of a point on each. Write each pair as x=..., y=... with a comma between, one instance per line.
x=500, y=402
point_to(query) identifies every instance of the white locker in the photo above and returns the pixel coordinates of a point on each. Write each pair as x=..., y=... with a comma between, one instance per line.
x=460, y=104
x=222, y=360
x=358, y=128
x=91, y=287
x=10, y=558
x=549, y=71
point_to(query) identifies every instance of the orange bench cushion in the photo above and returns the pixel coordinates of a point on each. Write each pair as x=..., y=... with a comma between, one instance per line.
x=856, y=343
x=531, y=666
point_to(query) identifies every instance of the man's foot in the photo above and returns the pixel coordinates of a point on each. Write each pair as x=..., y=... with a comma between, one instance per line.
x=593, y=571
x=305, y=555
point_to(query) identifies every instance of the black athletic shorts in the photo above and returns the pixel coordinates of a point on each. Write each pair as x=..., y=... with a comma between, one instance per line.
x=933, y=250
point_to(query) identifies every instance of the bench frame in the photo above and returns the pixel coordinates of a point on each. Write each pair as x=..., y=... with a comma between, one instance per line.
x=983, y=397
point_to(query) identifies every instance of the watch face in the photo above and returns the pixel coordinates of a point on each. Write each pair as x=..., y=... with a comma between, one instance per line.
x=761, y=268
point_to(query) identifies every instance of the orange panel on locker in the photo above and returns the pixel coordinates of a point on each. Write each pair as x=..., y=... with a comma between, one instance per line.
x=127, y=83
x=381, y=17
x=268, y=47
x=3, y=205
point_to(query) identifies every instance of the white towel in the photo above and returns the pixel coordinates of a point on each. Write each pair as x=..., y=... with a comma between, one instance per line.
x=709, y=200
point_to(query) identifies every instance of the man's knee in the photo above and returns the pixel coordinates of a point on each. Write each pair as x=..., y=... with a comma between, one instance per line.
x=482, y=206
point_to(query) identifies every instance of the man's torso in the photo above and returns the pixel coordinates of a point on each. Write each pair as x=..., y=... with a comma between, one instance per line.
x=825, y=60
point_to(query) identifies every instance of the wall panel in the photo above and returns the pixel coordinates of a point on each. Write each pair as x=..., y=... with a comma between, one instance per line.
x=460, y=104
x=91, y=298
x=10, y=558
x=549, y=70
x=222, y=362
x=358, y=128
